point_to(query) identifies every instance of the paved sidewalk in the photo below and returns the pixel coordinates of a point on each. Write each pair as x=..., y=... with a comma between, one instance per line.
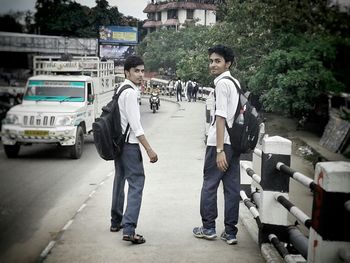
x=169, y=211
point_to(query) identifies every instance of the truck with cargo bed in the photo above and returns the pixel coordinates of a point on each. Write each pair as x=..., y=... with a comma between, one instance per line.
x=61, y=101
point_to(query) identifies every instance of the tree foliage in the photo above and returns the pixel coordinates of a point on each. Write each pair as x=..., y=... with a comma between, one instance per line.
x=9, y=23
x=68, y=18
x=58, y=17
x=298, y=61
x=291, y=81
x=181, y=50
x=103, y=15
x=287, y=52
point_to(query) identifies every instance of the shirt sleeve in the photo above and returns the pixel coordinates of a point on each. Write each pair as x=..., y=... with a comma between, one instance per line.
x=133, y=113
x=221, y=101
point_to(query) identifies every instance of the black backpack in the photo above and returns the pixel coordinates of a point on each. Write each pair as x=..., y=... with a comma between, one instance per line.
x=108, y=136
x=195, y=88
x=190, y=85
x=244, y=132
x=179, y=86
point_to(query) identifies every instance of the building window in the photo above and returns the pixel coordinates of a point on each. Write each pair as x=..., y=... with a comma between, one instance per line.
x=172, y=14
x=151, y=16
x=189, y=14
x=159, y=16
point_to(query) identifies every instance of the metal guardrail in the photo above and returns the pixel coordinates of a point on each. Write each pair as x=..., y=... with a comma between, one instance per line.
x=299, y=177
x=327, y=240
x=20, y=42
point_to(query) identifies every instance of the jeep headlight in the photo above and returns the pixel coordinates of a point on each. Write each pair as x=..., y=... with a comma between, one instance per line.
x=65, y=121
x=11, y=119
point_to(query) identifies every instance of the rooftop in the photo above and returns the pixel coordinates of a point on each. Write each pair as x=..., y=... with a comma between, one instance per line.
x=158, y=7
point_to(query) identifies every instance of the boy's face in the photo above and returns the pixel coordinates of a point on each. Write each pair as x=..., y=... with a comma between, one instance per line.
x=217, y=64
x=135, y=75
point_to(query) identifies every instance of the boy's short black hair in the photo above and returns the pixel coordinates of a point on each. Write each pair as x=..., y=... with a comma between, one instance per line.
x=132, y=62
x=224, y=51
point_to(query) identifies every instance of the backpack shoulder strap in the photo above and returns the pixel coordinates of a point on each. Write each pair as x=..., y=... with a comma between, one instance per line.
x=118, y=92
x=116, y=97
x=240, y=92
x=245, y=94
x=238, y=105
x=234, y=82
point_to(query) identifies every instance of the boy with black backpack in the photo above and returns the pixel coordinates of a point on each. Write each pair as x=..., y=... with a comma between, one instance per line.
x=178, y=87
x=195, y=91
x=189, y=90
x=221, y=162
x=128, y=165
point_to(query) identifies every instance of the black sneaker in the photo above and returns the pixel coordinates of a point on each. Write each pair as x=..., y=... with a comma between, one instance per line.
x=229, y=238
x=202, y=232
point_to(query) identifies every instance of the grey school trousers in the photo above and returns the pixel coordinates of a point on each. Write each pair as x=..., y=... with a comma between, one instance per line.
x=128, y=167
x=231, y=186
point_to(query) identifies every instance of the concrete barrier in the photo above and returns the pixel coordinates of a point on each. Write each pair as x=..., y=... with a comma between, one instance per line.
x=329, y=239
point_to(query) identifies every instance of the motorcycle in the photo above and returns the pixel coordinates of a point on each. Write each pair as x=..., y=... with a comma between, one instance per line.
x=154, y=102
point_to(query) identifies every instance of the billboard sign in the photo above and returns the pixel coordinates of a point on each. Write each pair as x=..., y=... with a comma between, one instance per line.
x=118, y=35
x=116, y=52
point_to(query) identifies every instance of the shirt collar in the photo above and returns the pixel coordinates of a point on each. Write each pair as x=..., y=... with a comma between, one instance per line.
x=128, y=82
x=224, y=74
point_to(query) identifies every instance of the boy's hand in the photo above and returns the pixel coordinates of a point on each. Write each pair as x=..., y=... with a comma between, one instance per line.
x=221, y=162
x=153, y=157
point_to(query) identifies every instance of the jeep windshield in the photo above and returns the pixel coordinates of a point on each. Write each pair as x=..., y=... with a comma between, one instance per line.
x=44, y=90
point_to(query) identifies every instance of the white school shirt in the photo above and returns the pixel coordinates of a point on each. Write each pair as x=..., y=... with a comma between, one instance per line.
x=177, y=84
x=130, y=112
x=225, y=105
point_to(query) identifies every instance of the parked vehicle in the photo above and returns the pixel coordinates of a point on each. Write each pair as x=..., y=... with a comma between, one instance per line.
x=60, y=103
x=154, y=102
x=8, y=100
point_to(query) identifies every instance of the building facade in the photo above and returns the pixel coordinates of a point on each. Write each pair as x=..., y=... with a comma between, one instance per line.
x=178, y=13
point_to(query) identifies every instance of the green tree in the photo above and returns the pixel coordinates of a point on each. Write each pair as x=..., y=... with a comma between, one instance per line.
x=29, y=22
x=9, y=23
x=182, y=51
x=103, y=15
x=60, y=17
x=291, y=81
x=68, y=18
x=288, y=52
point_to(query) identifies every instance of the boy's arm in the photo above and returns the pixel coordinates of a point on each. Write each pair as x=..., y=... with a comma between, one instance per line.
x=133, y=117
x=151, y=154
x=221, y=161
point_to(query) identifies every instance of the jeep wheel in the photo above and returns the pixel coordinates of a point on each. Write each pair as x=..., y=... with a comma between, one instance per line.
x=76, y=150
x=11, y=151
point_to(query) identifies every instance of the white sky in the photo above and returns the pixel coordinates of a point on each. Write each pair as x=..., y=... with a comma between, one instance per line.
x=127, y=7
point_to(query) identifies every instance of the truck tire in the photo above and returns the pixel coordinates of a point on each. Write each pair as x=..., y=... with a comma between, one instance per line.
x=76, y=150
x=11, y=151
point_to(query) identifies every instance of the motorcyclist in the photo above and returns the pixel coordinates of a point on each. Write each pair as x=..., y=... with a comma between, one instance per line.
x=154, y=93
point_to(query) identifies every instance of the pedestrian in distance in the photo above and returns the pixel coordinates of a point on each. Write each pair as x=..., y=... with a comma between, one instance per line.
x=178, y=87
x=189, y=90
x=221, y=163
x=195, y=91
x=129, y=165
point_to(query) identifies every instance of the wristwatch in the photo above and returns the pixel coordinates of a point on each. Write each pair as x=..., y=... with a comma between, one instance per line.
x=219, y=150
